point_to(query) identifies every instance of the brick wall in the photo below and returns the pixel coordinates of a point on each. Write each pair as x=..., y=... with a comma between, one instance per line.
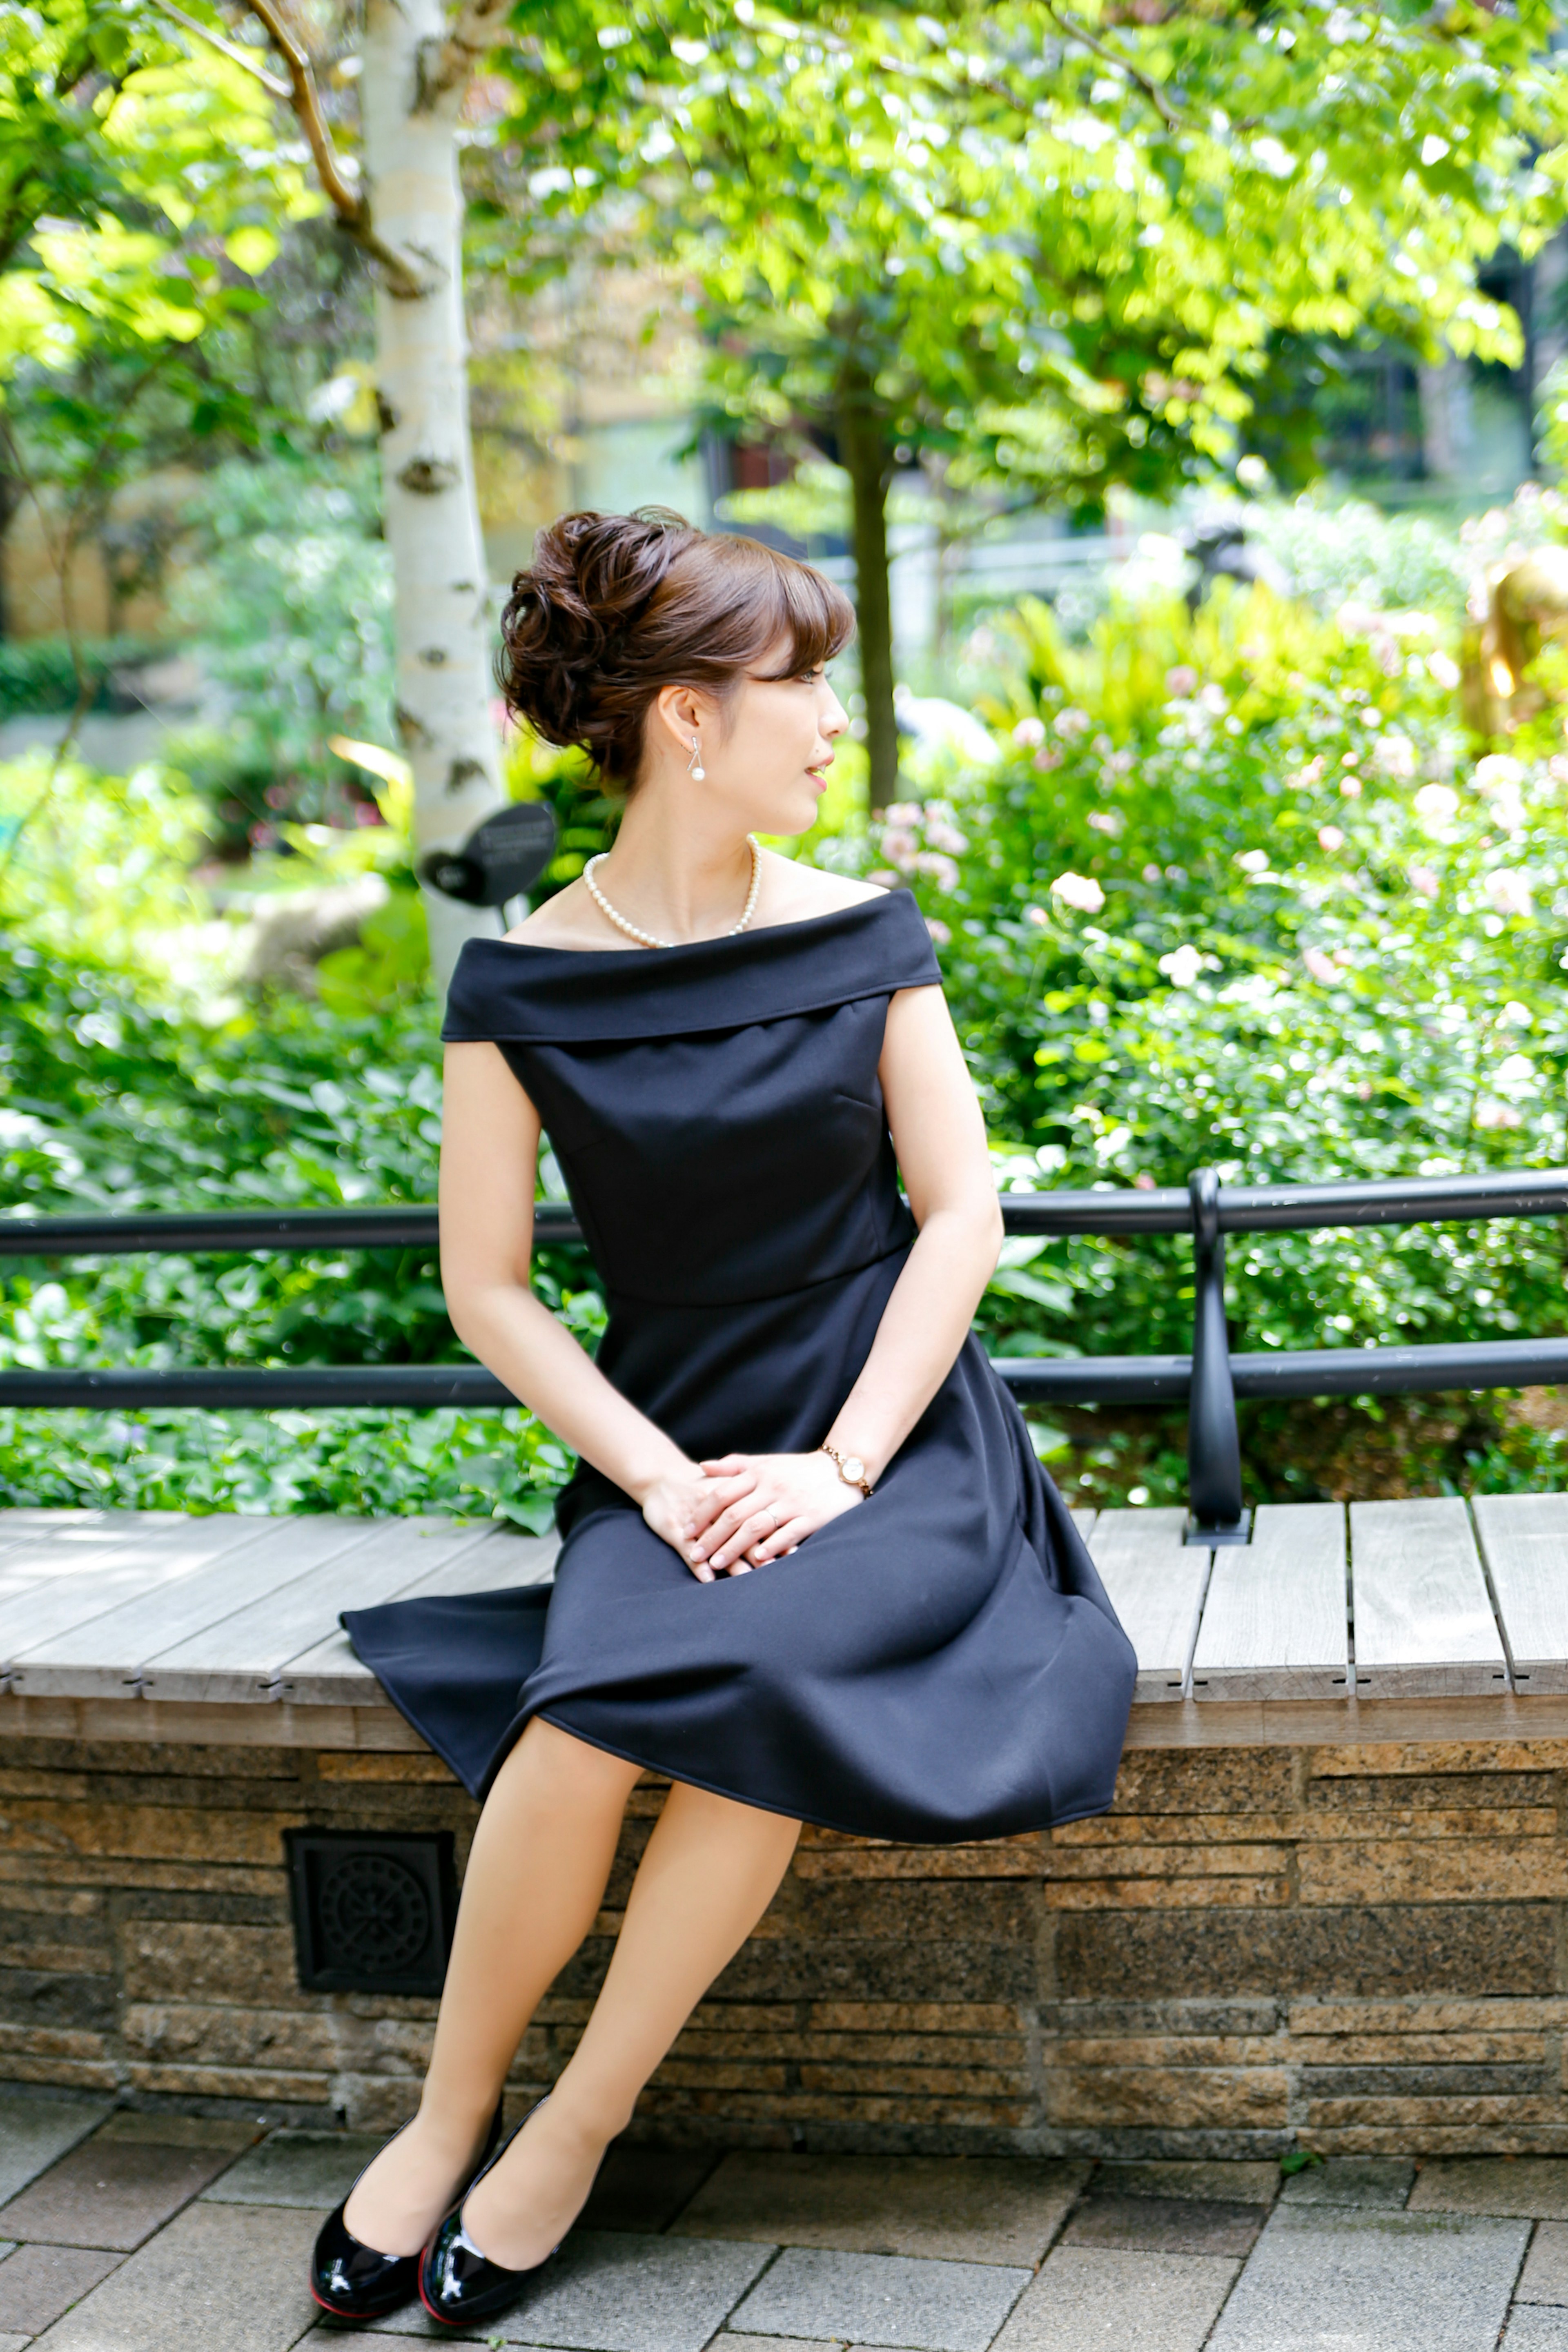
x=1363, y=1948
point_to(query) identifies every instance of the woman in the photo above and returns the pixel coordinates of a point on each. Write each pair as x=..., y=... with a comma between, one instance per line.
x=811, y=1569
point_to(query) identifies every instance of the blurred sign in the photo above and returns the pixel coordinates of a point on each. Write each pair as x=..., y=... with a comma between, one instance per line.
x=500, y=859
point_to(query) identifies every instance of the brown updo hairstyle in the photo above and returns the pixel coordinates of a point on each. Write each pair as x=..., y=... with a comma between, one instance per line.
x=614, y=607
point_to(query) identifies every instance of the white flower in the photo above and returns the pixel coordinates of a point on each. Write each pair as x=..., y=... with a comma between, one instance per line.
x=1330, y=837
x=1320, y=966
x=1497, y=1114
x=1104, y=821
x=1079, y=890
x=1029, y=732
x=1182, y=965
x=1350, y=788
x=1070, y=724
x=940, y=835
x=939, y=932
x=1394, y=753
x=1514, y=1073
x=1423, y=880
x=1253, y=861
x=1508, y=892
x=1036, y=915
x=1437, y=803
x=898, y=844
x=905, y=813
x=1443, y=670
x=1515, y=1015
x=942, y=870
x=1498, y=772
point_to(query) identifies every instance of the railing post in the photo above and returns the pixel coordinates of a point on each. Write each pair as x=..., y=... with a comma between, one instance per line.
x=1213, y=1443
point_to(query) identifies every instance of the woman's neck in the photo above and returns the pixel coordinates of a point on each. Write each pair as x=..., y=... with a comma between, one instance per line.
x=682, y=878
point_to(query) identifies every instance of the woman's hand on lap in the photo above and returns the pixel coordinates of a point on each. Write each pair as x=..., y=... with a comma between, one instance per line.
x=683, y=1504
x=784, y=1499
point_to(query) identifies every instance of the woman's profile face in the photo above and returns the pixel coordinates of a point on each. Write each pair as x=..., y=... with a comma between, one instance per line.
x=768, y=753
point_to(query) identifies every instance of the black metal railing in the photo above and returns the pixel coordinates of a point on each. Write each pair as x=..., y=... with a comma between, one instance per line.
x=1210, y=1380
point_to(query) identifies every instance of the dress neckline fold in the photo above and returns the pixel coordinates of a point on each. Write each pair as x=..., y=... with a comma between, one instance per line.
x=512, y=992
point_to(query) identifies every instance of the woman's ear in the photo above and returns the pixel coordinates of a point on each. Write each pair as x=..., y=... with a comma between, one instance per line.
x=681, y=715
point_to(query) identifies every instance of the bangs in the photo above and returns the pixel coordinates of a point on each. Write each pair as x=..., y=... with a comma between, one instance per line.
x=792, y=601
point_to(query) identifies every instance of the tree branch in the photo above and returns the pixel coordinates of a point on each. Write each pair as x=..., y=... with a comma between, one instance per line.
x=231, y=49
x=402, y=277
x=1151, y=90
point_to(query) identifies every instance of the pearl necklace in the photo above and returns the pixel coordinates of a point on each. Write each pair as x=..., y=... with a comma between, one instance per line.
x=646, y=939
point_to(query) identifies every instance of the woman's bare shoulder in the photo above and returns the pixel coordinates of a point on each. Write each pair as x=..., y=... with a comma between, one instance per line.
x=795, y=893
x=567, y=919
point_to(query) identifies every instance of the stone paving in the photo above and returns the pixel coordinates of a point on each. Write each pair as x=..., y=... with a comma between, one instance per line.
x=122, y=2231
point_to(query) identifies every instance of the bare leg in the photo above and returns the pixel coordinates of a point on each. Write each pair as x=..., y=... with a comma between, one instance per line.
x=541, y=1855
x=710, y=1870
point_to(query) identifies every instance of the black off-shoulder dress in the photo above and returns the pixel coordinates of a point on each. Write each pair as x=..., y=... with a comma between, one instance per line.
x=940, y=1662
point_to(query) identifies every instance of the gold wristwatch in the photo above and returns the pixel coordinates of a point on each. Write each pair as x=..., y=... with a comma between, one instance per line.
x=851, y=1469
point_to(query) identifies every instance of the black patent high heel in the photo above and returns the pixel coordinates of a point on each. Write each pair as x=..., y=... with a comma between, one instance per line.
x=352, y=2281
x=458, y=2284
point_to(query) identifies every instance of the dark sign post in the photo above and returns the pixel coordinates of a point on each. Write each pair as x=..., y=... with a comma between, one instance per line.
x=500, y=858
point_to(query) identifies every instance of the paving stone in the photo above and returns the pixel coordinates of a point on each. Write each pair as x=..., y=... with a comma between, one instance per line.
x=110, y=2192
x=732, y=2342
x=1216, y=2183
x=15, y=2343
x=129, y=2126
x=613, y=2293
x=643, y=2189
x=881, y=2299
x=1164, y=2225
x=220, y=2278
x=1090, y=2299
x=1536, y=2330
x=1534, y=2186
x=37, y=2283
x=35, y=2132
x=297, y=2168
x=1321, y=2281
x=1368, y=2180
x=1545, y=2278
x=960, y=2209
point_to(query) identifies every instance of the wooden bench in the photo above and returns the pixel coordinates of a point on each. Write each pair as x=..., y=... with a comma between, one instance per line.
x=1329, y=1905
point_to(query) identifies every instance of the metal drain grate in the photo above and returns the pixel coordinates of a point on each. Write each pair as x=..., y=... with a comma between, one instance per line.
x=372, y=1914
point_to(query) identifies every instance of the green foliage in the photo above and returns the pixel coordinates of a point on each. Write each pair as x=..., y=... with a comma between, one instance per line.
x=291, y=607
x=1238, y=891
x=41, y=674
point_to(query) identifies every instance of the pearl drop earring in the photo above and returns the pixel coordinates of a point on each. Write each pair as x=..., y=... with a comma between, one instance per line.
x=694, y=767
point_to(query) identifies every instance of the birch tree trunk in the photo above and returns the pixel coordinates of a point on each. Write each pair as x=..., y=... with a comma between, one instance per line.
x=409, y=98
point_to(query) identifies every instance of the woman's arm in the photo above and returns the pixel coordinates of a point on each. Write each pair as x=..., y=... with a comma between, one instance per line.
x=490, y=1154
x=940, y=1139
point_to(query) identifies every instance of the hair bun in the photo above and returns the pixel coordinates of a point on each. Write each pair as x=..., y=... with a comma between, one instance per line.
x=592, y=578
x=614, y=608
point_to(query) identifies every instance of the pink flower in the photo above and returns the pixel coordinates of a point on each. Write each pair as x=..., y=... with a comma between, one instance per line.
x=942, y=870
x=1350, y=788
x=1047, y=759
x=1426, y=880
x=1497, y=1114
x=1321, y=967
x=939, y=932
x=1179, y=681
x=1079, y=890
x=1028, y=733
x=1330, y=837
x=898, y=844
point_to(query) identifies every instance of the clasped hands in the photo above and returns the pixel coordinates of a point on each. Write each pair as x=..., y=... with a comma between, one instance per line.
x=736, y=1513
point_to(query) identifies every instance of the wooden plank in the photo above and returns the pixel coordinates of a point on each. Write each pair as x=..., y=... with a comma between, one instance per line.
x=104, y=1656
x=242, y=1657
x=1525, y=1542
x=1156, y=1587
x=1274, y=1622
x=328, y=1674
x=1424, y=1623
x=88, y=1573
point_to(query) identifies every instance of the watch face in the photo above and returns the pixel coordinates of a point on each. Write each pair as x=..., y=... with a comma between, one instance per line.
x=854, y=1468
